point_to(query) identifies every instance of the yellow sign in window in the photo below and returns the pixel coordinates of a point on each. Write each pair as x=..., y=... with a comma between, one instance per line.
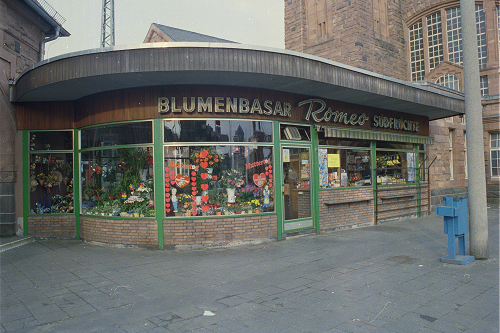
x=334, y=160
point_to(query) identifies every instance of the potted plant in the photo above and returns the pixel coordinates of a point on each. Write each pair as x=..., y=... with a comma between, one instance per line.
x=41, y=177
x=231, y=180
x=246, y=207
x=206, y=157
x=255, y=205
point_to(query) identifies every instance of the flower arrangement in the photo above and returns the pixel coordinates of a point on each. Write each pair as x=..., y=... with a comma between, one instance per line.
x=255, y=203
x=143, y=188
x=133, y=160
x=247, y=193
x=184, y=198
x=208, y=155
x=142, y=158
x=41, y=176
x=233, y=208
x=246, y=206
x=231, y=179
x=134, y=204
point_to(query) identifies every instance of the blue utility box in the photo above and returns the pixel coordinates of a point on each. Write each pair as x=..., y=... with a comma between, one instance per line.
x=456, y=225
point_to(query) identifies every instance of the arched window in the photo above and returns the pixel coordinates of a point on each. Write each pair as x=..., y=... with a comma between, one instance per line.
x=444, y=35
x=449, y=81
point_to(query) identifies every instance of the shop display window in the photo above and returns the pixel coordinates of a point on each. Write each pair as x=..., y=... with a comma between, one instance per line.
x=396, y=164
x=344, y=167
x=295, y=133
x=118, y=182
x=51, y=140
x=51, y=172
x=140, y=132
x=217, y=131
x=342, y=142
x=423, y=167
x=218, y=180
x=394, y=145
x=211, y=179
x=395, y=167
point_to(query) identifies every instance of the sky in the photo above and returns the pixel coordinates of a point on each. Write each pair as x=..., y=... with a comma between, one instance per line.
x=251, y=22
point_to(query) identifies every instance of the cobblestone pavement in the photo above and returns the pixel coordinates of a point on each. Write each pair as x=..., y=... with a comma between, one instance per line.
x=385, y=278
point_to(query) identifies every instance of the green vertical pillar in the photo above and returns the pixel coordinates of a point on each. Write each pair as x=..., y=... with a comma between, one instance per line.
x=159, y=178
x=314, y=186
x=374, y=179
x=26, y=181
x=417, y=179
x=76, y=181
x=278, y=178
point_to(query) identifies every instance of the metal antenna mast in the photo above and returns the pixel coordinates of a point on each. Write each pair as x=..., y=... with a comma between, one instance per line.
x=108, y=23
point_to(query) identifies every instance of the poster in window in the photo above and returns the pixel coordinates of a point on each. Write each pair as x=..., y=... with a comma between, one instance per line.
x=334, y=160
x=410, y=158
x=286, y=155
x=323, y=167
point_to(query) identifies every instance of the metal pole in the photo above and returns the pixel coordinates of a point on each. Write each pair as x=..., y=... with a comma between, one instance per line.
x=478, y=219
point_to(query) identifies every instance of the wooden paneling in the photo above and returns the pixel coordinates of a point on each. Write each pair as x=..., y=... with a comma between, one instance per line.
x=98, y=71
x=142, y=103
x=45, y=115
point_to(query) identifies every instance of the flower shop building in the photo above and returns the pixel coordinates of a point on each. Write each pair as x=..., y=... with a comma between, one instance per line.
x=172, y=144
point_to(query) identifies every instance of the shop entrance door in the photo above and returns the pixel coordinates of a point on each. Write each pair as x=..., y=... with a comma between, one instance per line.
x=296, y=185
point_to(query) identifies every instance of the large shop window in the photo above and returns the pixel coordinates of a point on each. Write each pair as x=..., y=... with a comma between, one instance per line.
x=343, y=166
x=208, y=179
x=51, y=172
x=423, y=166
x=396, y=163
x=118, y=180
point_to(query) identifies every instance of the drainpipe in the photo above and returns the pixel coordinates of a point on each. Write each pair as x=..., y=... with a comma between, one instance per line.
x=42, y=43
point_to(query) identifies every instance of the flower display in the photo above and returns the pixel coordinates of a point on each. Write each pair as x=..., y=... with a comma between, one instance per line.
x=207, y=155
x=184, y=198
x=247, y=193
x=255, y=203
x=231, y=179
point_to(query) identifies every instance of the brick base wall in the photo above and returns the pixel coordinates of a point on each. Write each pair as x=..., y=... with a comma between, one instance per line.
x=219, y=230
x=52, y=226
x=345, y=214
x=116, y=231
x=397, y=202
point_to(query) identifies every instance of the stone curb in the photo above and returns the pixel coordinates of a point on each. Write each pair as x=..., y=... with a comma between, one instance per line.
x=16, y=243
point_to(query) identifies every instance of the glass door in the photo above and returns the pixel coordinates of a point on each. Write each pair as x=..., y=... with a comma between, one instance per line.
x=296, y=185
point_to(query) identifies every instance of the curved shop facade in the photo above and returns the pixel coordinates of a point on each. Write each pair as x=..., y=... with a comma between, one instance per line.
x=191, y=144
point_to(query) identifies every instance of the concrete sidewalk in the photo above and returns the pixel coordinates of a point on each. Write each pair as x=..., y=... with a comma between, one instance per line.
x=385, y=278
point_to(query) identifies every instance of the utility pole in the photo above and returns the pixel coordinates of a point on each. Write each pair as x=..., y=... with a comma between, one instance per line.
x=478, y=216
x=108, y=23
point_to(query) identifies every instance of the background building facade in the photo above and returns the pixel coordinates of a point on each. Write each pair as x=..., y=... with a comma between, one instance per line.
x=416, y=41
x=24, y=24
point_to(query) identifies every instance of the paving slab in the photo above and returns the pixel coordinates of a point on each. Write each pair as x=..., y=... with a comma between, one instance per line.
x=385, y=278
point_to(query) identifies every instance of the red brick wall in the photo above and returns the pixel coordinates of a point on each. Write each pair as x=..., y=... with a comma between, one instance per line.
x=345, y=215
x=398, y=203
x=353, y=35
x=218, y=230
x=115, y=231
x=52, y=226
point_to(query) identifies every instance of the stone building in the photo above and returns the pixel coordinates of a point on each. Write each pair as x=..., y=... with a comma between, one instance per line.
x=417, y=41
x=25, y=26
x=159, y=33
